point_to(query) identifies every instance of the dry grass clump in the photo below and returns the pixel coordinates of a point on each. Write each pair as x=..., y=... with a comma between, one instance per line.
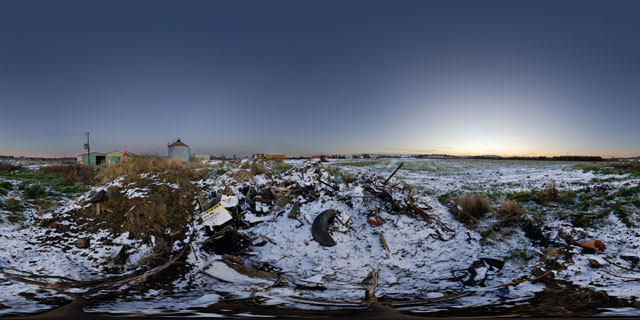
x=634, y=166
x=8, y=167
x=74, y=173
x=149, y=164
x=470, y=207
x=510, y=208
x=549, y=194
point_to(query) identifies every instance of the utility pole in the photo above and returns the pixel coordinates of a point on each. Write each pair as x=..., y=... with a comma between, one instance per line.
x=87, y=147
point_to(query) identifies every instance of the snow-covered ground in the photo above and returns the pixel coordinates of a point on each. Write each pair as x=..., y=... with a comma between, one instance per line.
x=423, y=261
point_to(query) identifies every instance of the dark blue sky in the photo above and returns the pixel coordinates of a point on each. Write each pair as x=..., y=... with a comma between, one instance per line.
x=307, y=77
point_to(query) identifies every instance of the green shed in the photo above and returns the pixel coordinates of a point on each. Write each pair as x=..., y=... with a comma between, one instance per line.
x=96, y=158
x=114, y=157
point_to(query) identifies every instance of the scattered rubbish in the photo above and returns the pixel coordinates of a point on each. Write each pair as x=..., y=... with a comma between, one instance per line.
x=249, y=272
x=370, y=292
x=374, y=221
x=478, y=272
x=613, y=263
x=631, y=259
x=99, y=196
x=318, y=278
x=328, y=185
x=249, y=204
x=595, y=246
x=215, y=216
x=122, y=256
x=293, y=213
x=384, y=243
x=310, y=287
x=594, y=263
x=549, y=253
x=229, y=201
x=281, y=195
x=83, y=243
x=230, y=242
x=393, y=174
x=228, y=271
x=320, y=228
x=319, y=157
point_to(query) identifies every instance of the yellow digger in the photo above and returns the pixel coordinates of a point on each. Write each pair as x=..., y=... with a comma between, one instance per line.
x=267, y=157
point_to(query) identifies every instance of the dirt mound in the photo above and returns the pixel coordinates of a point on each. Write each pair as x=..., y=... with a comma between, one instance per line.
x=155, y=206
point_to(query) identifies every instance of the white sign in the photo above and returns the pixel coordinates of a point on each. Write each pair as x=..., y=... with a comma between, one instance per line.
x=216, y=216
x=229, y=201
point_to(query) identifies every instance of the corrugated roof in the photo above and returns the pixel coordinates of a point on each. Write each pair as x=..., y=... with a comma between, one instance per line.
x=178, y=143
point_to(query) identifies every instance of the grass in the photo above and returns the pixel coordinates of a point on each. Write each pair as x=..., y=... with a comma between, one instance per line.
x=281, y=167
x=150, y=164
x=628, y=192
x=510, y=208
x=6, y=185
x=616, y=168
x=362, y=163
x=34, y=191
x=548, y=195
x=55, y=181
x=15, y=208
x=74, y=173
x=429, y=166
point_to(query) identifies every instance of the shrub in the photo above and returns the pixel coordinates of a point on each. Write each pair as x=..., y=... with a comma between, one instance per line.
x=470, y=207
x=74, y=173
x=6, y=185
x=549, y=194
x=34, y=191
x=510, y=208
x=8, y=167
x=13, y=205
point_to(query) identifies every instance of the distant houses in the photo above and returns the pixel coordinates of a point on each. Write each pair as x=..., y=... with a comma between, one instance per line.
x=176, y=150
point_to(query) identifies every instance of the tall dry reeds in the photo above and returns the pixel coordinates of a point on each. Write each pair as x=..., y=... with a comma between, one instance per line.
x=148, y=164
x=74, y=173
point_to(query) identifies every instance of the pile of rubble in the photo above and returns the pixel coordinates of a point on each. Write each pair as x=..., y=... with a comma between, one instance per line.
x=307, y=234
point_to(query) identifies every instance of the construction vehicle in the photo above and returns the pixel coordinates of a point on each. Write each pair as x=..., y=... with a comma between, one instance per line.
x=322, y=158
x=267, y=157
x=128, y=154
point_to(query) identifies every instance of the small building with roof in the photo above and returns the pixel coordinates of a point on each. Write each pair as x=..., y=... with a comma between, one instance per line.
x=98, y=158
x=95, y=158
x=179, y=150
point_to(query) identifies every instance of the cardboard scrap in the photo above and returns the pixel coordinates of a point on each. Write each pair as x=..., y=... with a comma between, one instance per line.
x=216, y=216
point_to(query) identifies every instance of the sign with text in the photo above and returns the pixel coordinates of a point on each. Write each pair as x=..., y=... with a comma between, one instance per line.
x=216, y=216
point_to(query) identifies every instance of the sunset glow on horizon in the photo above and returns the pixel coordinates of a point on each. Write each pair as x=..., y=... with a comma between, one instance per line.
x=508, y=78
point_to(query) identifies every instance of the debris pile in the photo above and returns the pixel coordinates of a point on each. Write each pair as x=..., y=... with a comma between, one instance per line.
x=305, y=234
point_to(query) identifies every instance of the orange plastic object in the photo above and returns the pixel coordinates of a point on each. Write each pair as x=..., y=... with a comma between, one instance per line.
x=374, y=221
x=596, y=245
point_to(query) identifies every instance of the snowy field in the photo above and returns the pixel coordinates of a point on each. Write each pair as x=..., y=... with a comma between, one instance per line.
x=424, y=260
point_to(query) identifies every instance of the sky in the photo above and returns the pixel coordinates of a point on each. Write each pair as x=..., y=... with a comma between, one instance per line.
x=320, y=77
